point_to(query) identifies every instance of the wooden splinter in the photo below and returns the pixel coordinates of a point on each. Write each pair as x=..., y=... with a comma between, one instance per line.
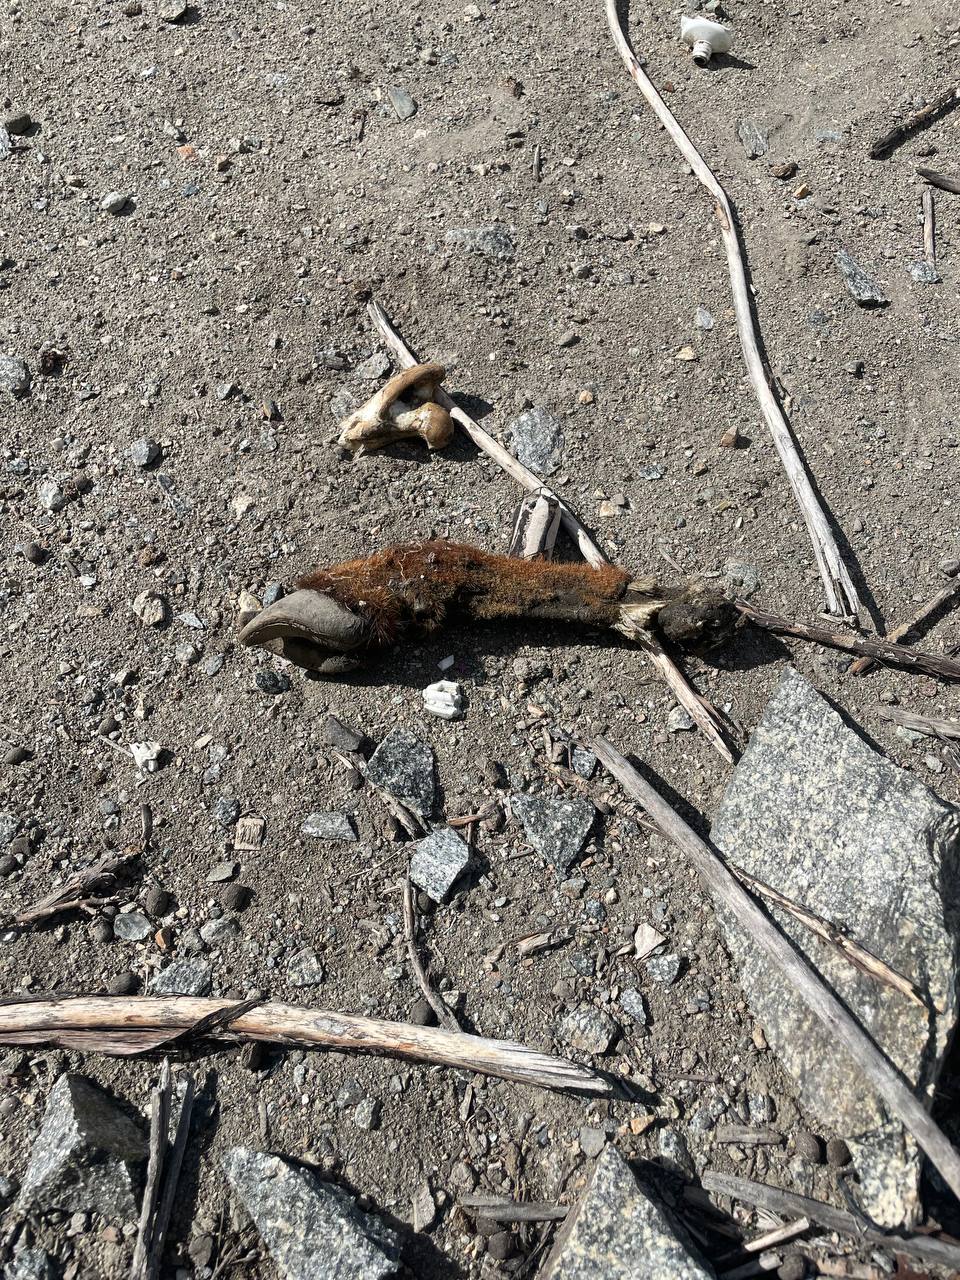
x=339, y=614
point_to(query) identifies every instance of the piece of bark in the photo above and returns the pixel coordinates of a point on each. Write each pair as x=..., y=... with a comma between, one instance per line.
x=892, y=139
x=882, y=650
x=928, y=725
x=839, y=590
x=762, y=1196
x=941, y=180
x=78, y=891
x=123, y=1026
x=726, y=889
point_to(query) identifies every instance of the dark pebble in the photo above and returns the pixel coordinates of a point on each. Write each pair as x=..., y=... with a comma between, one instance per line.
x=334, y=733
x=353, y=778
x=16, y=755
x=495, y=774
x=271, y=682
x=19, y=847
x=108, y=725
x=34, y=553
x=487, y=1227
x=422, y=1015
x=124, y=984
x=838, y=1153
x=792, y=1268
x=392, y=829
x=102, y=931
x=235, y=897
x=156, y=901
x=500, y=1246
x=809, y=1147
x=8, y=865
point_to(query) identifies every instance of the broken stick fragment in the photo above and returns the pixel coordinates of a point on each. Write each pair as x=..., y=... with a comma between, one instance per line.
x=404, y=408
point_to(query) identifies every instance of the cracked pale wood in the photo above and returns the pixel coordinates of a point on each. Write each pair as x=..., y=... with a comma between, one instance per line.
x=839, y=590
x=700, y=709
x=905, y=629
x=123, y=1026
x=929, y=725
x=718, y=878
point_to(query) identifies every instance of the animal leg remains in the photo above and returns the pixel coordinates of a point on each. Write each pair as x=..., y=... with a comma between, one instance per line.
x=339, y=615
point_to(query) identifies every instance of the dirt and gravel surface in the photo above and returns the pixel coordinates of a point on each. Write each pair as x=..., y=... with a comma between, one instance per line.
x=270, y=190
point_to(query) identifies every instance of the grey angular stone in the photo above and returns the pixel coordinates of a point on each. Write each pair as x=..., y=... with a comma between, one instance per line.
x=374, y=368
x=494, y=242
x=313, y=1229
x=923, y=272
x=402, y=103
x=131, y=926
x=703, y=319
x=115, y=202
x=664, y=969
x=822, y=817
x=633, y=1003
x=862, y=287
x=86, y=1156
x=50, y=495
x=144, y=451
x=216, y=932
x=29, y=1264
x=9, y=826
x=438, y=861
x=679, y=720
x=589, y=1029
x=537, y=439
x=557, y=829
x=305, y=969
x=617, y=1232
x=335, y=733
x=14, y=376
x=753, y=138
x=187, y=976
x=222, y=871
x=329, y=826
x=404, y=766
x=741, y=578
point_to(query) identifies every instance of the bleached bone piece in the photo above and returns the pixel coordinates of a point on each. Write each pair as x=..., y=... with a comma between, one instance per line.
x=402, y=408
x=705, y=38
x=444, y=699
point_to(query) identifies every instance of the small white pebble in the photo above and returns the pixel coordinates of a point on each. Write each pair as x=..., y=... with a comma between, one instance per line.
x=444, y=699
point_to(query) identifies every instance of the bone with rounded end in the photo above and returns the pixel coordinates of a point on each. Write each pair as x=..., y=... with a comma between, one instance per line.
x=404, y=407
x=705, y=38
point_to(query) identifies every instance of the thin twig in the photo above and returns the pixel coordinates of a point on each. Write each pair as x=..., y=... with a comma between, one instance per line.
x=501, y=1209
x=906, y=629
x=851, y=951
x=941, y=180
x=171, y=1178
x=896, y=655
x=841, y=594
x=943, y=103
x=76, y=891
x=700, y=709
x=929, y=725
x=844, y=1030
x=825, y=1215
x=159, y=1126
x=444, y=1014
x=929, y=227
x=124, y=1026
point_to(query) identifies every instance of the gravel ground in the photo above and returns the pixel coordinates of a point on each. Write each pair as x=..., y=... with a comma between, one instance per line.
x=264, y=188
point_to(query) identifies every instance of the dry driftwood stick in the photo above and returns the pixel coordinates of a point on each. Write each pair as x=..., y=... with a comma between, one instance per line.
x=779, y=1235
x=941, y=180
x=500, y=1209
x=896, y=655
x=858, y=956
x=841, y=594
x=127, y=1025
x=825, y=1215
x=444, y=1014
x=932, y=727
x=917, y=120
x=78, y=890
x=171, y=1177
x=159, y=1126
x=819, y=998
x=929, y=227
x=702, y=712
x=905, y=629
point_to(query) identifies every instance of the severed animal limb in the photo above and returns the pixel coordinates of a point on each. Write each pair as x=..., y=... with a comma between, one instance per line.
x=338, y=614
x=403, y=408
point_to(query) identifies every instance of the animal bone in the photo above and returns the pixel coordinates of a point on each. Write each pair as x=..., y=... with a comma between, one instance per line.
x=402, y=408
x=336, y=614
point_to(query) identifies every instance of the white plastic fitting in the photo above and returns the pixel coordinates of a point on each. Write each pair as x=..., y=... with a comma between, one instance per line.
x=705, y=38
x=444, y=699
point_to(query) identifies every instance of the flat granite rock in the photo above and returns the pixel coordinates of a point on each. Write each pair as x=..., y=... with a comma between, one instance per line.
x=557, y=829
x=816, y=813
x=86, y=1157
x=404, y=766
x=313, y=1229
x=617, y=1232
